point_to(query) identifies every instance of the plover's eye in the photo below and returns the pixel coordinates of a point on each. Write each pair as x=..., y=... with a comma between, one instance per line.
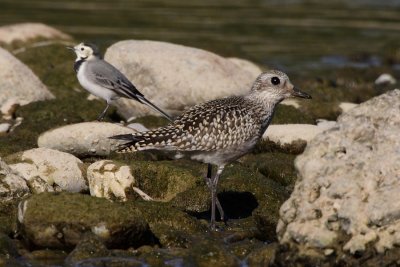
x=275, y=80
x=82, y=49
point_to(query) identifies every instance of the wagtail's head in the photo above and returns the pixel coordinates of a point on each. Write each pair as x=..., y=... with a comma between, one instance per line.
x=85, y=51
x=276, y=86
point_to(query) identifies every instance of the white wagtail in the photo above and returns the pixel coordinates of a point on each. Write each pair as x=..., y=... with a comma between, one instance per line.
x=220, y=131
x=103, y=80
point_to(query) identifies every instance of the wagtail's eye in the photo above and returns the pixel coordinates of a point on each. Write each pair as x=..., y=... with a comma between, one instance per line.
x=275, y=80
x=82, y=49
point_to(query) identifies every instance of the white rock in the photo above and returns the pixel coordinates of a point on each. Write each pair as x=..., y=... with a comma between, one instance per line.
x=4, y=127
x=286, y=134
x=345, y=106
x=174, y=77
x=9, y=107
x=349, y=183
x=110, y=180
x=12, y=185
x=49, y=170
x=26, y=31
x=18, y=82
x=385, y=78
x=137, y=127
x=291, y=102
x=83, y=139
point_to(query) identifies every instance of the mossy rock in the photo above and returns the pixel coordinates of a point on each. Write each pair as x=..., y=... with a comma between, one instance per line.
x=263, y=256
x=172, y=227
x=8, y=216
x=89, y=247
x=60, y=220
x=276, y=166
x=162, y=180
x=8, y=252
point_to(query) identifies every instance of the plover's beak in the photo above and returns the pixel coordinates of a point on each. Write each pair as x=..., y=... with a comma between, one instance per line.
x=70, y=48
x=297, y=93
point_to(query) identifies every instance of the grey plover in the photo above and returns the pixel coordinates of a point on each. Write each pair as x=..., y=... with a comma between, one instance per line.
x=103, y=80
x=220, y=131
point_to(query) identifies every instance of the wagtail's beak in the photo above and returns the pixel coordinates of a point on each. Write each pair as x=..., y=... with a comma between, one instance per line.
x=297, y=93
x=70, y=48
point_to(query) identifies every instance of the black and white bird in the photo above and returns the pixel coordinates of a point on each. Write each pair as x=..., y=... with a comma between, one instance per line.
x=103, y=80
x=220, y=131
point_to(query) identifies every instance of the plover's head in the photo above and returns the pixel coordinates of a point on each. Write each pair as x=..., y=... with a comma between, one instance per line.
x=85, y=51
x=275, y=85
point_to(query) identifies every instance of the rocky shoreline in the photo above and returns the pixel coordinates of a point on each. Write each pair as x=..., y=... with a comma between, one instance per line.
x=67, y=200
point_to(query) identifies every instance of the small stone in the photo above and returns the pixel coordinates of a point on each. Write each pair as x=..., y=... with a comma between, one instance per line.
x=385, y=78
x=4, y=127
x=110, y=180
x=9, y=107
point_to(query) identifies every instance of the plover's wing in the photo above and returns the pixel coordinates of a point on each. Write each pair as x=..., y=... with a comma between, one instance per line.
x=207, y=127
x=106, y=75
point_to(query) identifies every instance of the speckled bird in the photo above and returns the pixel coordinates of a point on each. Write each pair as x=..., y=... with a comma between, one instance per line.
x=220, y=131
x=104, y=80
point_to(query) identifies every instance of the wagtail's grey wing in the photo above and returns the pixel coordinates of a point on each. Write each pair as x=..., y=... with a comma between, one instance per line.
x=104, y=74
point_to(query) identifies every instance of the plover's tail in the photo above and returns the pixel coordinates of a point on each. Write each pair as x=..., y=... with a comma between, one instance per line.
x=160, y=138
x=130, y=146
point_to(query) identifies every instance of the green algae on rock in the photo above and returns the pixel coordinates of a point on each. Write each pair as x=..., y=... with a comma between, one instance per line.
x=60, y=220
x=162, y=180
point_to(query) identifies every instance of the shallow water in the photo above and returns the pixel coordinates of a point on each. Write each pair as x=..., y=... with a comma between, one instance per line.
x=293, y=35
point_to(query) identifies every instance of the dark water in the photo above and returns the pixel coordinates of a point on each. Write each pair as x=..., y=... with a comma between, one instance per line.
x=293, y=35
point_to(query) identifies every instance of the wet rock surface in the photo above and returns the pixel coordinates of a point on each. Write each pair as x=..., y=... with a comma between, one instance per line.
x=84, y=139
x=345, y=204
x=140, y=60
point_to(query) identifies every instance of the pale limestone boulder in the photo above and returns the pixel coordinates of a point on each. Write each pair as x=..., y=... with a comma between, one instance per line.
x=26, y=31
x=12, y=185
x=49, y=170
x=84, y=139
x=110, y=180
x=18, y=82
x=348, y=186
x=175, y=77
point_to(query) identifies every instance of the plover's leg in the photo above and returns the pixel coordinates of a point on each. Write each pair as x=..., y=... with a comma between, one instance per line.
x=101, y=116
x=208, y=182
x=214, y=184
